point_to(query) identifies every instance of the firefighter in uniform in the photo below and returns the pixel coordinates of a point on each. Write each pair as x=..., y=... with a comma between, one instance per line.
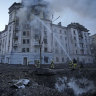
x=37, y=64
x=74, y=63
x=71, y=64
x=52, y=64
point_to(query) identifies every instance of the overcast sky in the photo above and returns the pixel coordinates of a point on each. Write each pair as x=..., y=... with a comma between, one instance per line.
x=83, y=13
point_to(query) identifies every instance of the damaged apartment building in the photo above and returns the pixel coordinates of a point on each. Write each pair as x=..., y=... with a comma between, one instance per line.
x=93, y=46
x=43, y=41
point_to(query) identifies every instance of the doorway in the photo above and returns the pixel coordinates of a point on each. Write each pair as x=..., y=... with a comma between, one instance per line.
x=25, y=61
x=7, y=60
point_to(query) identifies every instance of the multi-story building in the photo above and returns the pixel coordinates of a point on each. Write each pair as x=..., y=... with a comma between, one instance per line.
x=44, y=41
x=93, y=46
x=79, y=43
x=3, y=44
x=75, y=41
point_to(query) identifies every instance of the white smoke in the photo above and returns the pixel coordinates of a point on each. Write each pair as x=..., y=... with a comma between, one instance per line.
x=79, y=86
x=82, y=7
x=30, y=8
x=61, y=84
x=22, y=14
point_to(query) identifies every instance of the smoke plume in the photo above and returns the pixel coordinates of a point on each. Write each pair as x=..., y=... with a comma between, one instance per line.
x=83, y=7
x=32, y=8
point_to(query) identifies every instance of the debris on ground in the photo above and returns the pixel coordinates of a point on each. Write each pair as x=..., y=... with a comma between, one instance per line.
x=20, y=83
x=18, y=80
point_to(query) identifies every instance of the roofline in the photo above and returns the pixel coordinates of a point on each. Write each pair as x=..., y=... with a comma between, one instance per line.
x=14, y=4
x=93, y=35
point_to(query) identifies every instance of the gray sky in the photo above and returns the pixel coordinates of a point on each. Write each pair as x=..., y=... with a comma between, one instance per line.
x=81, y=11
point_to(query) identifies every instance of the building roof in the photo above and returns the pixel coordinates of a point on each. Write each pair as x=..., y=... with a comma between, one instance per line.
x=14, y=5
x=78, y=26
x=93, y=36
x=6, y=28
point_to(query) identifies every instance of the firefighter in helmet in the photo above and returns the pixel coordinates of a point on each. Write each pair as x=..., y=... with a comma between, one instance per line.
x=37, y=64
x=52, y=65
x=74, y=63
x=71, y=64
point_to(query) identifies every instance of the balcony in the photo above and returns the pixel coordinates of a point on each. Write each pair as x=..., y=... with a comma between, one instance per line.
x=15, y=45
x=16, y=28
x=80, y=36
x=36, y=43
x=15, y=36
x=81, y=41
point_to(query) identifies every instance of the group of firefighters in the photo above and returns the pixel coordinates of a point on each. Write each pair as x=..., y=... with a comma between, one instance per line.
x=37, y=64
x=73, y=64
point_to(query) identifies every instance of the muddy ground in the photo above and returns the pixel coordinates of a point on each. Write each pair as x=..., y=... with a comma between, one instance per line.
x=40, y=85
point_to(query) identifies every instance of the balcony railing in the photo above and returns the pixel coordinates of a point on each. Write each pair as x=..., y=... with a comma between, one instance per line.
x=15, y=45
x=81, y=41
x=16, y=28
x=36, y=43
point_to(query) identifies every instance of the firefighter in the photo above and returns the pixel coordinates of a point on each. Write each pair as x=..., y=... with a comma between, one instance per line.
x=71, y=64
x=74, y=63
x=52, y=64
x=38, y=64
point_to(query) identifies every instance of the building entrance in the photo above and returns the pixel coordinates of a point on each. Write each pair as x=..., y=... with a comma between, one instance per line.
x=25, y=61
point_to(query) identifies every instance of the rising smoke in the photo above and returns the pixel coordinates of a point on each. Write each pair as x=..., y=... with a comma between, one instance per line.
x=79, y=86
x=82, y=7
x=32, y=8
